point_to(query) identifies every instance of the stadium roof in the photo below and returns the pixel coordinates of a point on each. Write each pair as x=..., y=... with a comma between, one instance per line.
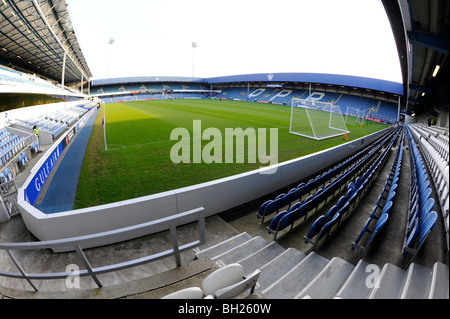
x=35, y=35
x=333, y=79
x=143, y=79
x=421, y=31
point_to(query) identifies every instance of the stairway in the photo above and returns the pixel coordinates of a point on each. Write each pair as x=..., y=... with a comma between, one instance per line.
x=290, y=274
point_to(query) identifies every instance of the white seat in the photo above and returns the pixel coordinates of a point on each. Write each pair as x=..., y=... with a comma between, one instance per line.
x=187, y=293
x=226, y=276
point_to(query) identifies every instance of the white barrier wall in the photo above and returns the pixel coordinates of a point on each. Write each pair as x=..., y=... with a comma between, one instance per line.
x=215, y=196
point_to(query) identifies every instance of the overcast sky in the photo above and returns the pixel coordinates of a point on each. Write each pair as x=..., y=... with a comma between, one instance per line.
x=154, y=37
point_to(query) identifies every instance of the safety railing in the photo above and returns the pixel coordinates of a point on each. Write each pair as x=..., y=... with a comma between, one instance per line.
x=77, y=244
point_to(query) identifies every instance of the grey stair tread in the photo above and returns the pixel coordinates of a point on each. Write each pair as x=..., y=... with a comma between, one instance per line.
x=417, y=282
x=389, y=284
x=261, y=257
x=358, y=284
x=239, y=252
x=223, y=246
x=440, y=282
x=290, y=284
x=326, y=284
x=273, y=270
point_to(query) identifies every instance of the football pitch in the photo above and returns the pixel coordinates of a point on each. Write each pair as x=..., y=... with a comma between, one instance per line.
x=137, y=158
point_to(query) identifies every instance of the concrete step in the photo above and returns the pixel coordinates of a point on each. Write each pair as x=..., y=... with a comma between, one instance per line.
x=292, y=282
x=277, y=267
x=223, y=246
x=359, y=283
x=261, y=257
x=417, y=282
x=439, y=282
x=326, y=284
x=390, y=283
x=241, y=251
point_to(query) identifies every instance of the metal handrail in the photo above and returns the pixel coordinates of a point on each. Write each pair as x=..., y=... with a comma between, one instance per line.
x=77, y=243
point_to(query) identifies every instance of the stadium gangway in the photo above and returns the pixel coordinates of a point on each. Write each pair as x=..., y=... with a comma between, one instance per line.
x=421, y=217
x=78, y=244
x=387, y=196
x=282, y=200
x=301, y=210
x=326, y=224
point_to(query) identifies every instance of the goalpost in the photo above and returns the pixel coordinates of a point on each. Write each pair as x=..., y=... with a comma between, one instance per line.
x=316, y=120
x=355, y=116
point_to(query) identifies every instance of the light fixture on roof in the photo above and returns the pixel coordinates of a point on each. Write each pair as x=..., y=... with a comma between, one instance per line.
x=436, y=70
x=423, y=94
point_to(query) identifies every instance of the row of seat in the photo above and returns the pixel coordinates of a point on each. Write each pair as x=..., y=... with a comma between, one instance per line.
x=421, y=217
x=299, y=210
x=384, y=203
x=438, y=165
x=10, y=148
x=324, y=224
x=296, y=194
x=439, y=142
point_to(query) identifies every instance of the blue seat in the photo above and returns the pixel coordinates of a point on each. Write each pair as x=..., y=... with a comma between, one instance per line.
x=426, y=226
x=262, y=208
x=333, y=210
x=341, y=201
x=363, y=231
x=427, y=207
x=328, y=226
x=390, y=195
x=285, y=200
x=358, y=182
x=386, y=208
x=269, y=209
x=380, y=223
x=315, y=228
x=287, y=220
x=273, y=226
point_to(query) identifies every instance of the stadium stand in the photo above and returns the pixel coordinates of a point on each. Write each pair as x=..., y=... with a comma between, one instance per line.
x=265, y=266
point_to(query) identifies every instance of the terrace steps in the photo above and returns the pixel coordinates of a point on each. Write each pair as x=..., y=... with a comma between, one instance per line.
x=290, y=274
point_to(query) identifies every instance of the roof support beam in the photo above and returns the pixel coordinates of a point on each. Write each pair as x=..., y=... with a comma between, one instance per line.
x=437, y=43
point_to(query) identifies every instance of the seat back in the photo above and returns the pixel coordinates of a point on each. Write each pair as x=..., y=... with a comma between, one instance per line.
x=234, y=290
x=426, y=226
x=188, y=293
x=224, y=277
x=316, y=227
x=328, y=226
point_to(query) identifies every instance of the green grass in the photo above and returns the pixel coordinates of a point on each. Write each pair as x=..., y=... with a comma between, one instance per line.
x=138, y=163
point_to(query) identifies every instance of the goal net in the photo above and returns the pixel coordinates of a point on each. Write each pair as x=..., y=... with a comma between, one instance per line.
x=355, y=116
x=316, y=120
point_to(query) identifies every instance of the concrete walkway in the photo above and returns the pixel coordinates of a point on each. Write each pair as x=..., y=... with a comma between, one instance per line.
x=60, y=194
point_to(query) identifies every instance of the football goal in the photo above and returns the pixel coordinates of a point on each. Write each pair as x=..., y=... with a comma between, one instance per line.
x=316, y=120
x=355, y=116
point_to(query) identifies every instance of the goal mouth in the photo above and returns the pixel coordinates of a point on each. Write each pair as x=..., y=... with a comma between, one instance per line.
x=316, y=120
